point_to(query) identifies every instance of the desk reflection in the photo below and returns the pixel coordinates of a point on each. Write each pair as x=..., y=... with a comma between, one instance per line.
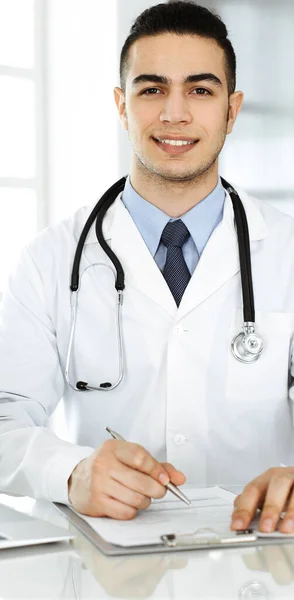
x=79, y=571
x=262, y=573
x=276, y=560
x=131, y=576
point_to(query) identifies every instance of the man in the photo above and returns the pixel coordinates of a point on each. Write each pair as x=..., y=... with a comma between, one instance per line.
x=184, y=397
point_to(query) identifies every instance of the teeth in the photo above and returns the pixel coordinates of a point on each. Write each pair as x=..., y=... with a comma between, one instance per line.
x=176, y=142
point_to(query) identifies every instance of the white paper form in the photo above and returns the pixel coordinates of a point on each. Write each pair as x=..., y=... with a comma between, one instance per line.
x=211, y=508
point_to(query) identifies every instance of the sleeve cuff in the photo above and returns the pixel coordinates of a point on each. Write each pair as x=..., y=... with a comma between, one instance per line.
x=60, y=469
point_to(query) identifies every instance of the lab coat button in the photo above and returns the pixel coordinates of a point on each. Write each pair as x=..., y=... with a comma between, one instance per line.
x=179, y=439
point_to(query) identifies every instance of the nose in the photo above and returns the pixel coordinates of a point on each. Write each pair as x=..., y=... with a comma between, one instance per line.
x=175, y=109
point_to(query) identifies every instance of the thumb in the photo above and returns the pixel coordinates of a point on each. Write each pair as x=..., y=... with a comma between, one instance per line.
x=176, y=477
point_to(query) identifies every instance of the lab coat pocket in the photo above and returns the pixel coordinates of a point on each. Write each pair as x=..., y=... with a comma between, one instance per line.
x=267, y=378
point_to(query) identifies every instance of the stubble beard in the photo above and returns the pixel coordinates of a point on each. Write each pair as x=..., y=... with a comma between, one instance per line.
x=150, y=170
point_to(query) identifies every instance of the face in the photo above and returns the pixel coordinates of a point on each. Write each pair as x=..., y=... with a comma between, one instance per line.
x=176, y=89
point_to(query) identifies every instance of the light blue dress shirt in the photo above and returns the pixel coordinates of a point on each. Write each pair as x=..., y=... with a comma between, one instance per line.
x=201, y=220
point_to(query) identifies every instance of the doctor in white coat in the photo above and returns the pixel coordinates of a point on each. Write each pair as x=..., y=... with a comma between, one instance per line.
x=187, y=407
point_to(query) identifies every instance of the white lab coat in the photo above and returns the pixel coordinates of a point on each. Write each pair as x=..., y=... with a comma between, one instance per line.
x=184, y=397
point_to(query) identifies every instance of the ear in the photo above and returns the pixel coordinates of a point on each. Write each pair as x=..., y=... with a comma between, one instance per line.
x=120, y=102
x=235, y=103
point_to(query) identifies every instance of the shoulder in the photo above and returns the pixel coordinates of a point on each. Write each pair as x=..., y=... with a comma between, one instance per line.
x=59, y=240
x=66, y=231
x=50, y=253
x=275, y=220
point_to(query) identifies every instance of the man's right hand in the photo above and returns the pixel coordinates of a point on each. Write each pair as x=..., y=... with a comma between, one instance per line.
x=118, y=479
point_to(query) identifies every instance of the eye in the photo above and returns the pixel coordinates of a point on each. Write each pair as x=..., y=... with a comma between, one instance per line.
x=206, y=92
x=153, y=91
x=149, y=91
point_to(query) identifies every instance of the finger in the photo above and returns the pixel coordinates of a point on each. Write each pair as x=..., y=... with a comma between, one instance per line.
x=275, y=500
x=137, y=482
x=110, y=507
x=120, y=492
x=176, y=477
x=135, y=456
x=247, y=503
x=287, y=524
x=260, y=503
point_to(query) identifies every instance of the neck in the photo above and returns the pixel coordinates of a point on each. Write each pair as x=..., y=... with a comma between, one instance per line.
x=175, y=198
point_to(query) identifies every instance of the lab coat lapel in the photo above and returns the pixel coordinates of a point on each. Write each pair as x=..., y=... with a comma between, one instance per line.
x=218, y=263
x=220, y=258
x=140, y=268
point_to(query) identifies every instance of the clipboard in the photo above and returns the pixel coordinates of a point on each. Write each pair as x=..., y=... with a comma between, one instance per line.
x=201, y=539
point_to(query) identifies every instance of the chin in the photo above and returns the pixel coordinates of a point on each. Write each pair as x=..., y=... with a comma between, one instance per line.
x=176, y=175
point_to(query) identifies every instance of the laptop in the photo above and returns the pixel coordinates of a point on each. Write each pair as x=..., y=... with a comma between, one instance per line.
x=18, y=529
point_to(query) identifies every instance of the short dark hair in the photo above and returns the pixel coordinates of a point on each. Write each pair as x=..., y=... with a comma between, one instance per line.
x=182, y=18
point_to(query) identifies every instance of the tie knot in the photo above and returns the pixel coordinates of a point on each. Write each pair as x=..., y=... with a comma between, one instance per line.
x=175, y=234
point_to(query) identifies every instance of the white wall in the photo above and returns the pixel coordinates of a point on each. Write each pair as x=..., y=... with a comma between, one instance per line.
x=82, y=116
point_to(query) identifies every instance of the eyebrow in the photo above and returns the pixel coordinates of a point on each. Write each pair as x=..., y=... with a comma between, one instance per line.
x=194, y=78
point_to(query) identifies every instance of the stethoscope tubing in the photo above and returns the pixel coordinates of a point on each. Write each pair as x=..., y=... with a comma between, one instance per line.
x=241, y=344
x=98, y=213
x=244, y=254
x=82, y=385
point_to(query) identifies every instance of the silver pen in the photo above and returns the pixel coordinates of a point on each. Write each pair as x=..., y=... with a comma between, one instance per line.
x=170, y=486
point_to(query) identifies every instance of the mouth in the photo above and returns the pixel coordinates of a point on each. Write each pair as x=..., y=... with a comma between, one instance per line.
x=175, y=146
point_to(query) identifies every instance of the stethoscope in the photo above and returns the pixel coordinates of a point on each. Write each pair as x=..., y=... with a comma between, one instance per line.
x=246, y=346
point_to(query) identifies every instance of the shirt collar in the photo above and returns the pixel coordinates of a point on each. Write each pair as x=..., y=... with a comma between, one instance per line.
x=199, y=220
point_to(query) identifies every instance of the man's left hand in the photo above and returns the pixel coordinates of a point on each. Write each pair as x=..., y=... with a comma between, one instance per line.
x=273, y=493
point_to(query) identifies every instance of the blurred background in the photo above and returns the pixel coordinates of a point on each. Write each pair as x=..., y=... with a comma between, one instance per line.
x=61, y=142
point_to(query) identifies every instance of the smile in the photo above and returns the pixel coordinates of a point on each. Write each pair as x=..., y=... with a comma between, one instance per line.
x=175, y=146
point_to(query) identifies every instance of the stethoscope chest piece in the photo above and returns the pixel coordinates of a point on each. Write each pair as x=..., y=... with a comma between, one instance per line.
x=247, y=346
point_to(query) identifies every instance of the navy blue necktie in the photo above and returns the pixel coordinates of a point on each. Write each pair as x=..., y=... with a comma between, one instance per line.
x=175, y=271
